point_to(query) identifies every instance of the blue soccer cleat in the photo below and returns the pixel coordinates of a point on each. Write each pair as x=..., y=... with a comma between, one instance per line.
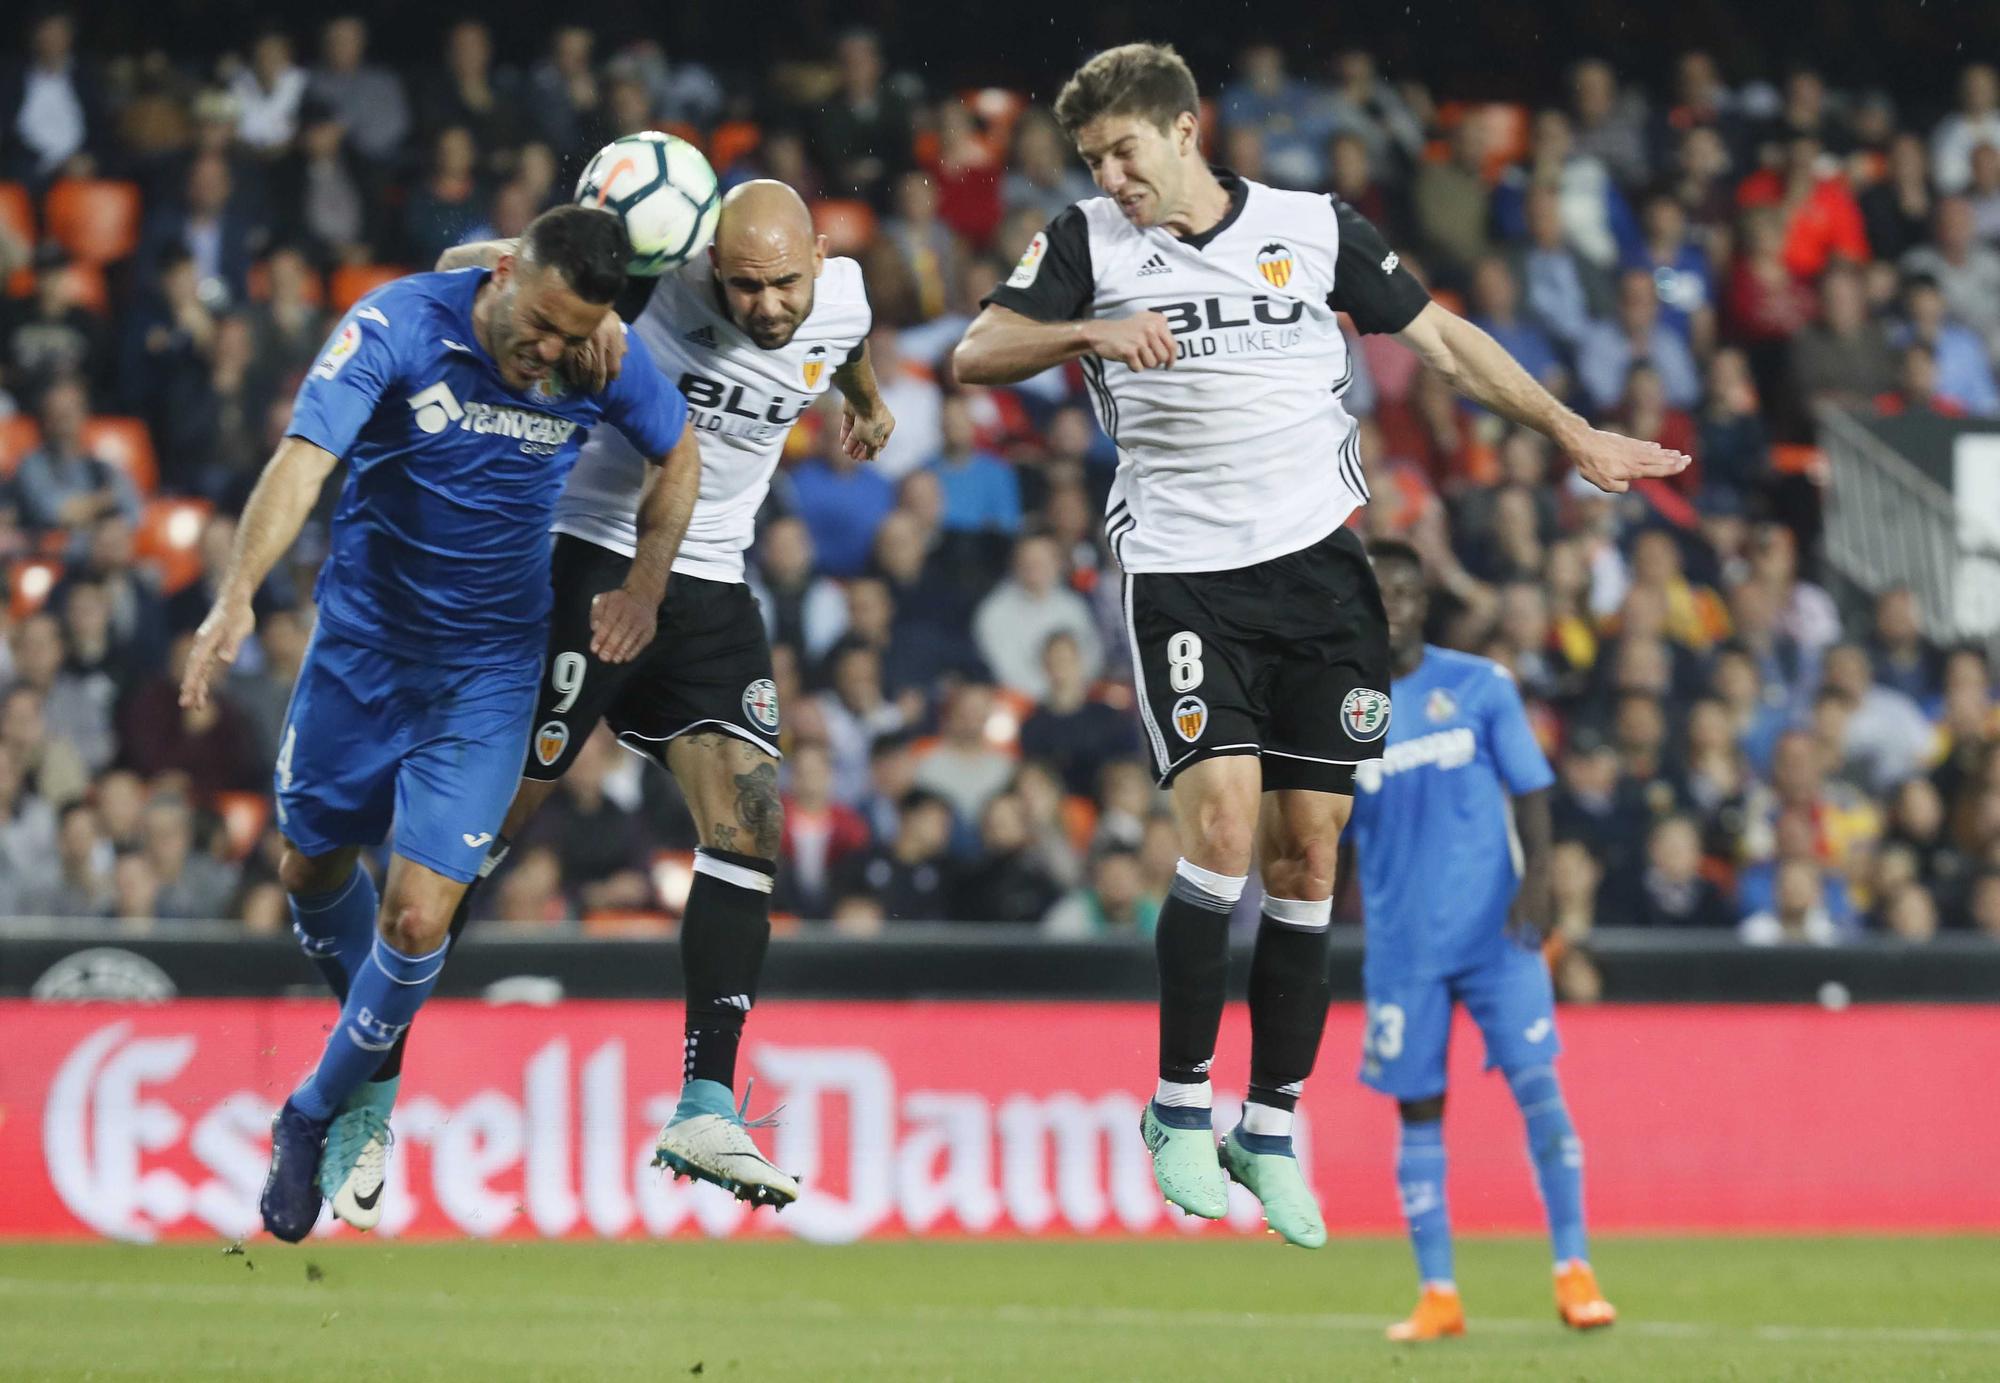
x=291, y=1200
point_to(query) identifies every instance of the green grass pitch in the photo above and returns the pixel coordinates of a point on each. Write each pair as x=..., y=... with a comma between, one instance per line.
x=1845, y=1308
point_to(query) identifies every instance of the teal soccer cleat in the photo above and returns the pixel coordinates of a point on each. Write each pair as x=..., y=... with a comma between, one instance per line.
x=356, y=1161
x=1184, y=1163
x=709, y=1140
x=1266, y=1166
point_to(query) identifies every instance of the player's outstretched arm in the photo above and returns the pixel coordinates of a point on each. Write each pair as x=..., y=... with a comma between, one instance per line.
x=1005, y=347
x=622, y=620
x=865, y=419
x=1479, y=367
x=277, y=509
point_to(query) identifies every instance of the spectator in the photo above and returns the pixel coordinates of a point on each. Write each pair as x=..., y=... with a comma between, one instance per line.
x=287, y=328
x=1608, y=350
x=1682, y=276
x=966, y=178
x=262, y=687
x=1916, y=390
x=981, y=494
x=1354, y=181
x=474, y=95
x=1597, y=222
x=1610, y=124
x=1888, y=737
x=1014, y=624
x=1564, y=291
x=1645, y=412
x=1731, y=439
x=1050, y=818
x=843, y=502
x=191, y=882
x=821, y=833
x=1448, y=201
x=81, y=886
x=1367, y=105
x=214, y=745
x=1983, y=911
x=564, y=96
x=213, y=227
x=1072, y=733
x=1007, y=881
x=217, y=422
x=1798, y=916
x=1964, y=375
x=104, y=670
x=1496, y=300
x=367, y=100
x=1574, y=878
x=49, y=114
x=1984, y=193
x=1115, y=904
x=855, y=711
x=1673, y=892
x=76, y=710
x=1897, y=209
x=1910, y=913
x=914, y=399
x=800, y=607
x=1594, y=805
x=62, y=485
x=909, y=876
x=1266, y=97
x=600, y=847
x=445, y=208
x=1966, y=272
x=1903, y=659
x=1843, y=358
x=49, y=335
x=1975, y=122
x=27, y=835
x=1805, y=612
x=321, y=201
x=863, y=133
x=267, y=91
x=963, y=767
x=891, y=773
x=1041, y=172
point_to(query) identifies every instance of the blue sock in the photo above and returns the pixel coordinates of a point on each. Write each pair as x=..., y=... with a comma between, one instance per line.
x=382, y=997
x=1558, y=1157
x=1420, y=1181
x=336, y=929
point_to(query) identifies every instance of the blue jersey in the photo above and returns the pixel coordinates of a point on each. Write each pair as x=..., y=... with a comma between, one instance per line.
x=440, y=546
x=1432, y=820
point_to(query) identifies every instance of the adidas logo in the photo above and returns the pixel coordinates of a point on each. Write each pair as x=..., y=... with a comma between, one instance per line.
x=1155, y=264
x=702, y=336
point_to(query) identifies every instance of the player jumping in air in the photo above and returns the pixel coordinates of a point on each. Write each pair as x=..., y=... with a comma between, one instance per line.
x=754, y=333
x=442, y=394
x=1452, y=829
x=1203, y=308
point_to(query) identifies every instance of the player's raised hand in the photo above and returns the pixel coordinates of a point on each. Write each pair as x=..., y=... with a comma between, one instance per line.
x=1612, y=461
x=620, y=625
x=1142, y=341
x=863, y=435
x=597, y=361
x=218, y=639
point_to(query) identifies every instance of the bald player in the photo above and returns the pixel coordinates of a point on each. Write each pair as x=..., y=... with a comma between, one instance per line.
x=754, y=332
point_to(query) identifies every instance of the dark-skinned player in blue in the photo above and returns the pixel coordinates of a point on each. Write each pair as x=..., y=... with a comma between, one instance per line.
x=442, y=393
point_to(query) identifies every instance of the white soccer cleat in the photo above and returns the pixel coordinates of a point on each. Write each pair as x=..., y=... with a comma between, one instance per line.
x=707, y=1139
x=355, y=1165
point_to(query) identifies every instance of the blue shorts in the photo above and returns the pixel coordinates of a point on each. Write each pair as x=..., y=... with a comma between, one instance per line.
x=1404, y=1047
x=372, y=737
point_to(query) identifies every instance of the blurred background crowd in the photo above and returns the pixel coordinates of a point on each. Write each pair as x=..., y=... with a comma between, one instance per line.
x=1707, y=259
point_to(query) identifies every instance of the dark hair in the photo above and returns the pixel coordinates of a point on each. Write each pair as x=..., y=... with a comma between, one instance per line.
x=1144, y=79
x=587, y=246
x=1382, y=550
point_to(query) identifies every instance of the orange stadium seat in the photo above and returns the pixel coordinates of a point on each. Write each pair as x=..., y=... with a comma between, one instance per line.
x=126, y=444
x=352, y=282
x=244, y=817
x=95, y=219
x=626, y=922
x=19, y=435
x=169, y=537
x=998, y=108
x=29, y=584
x=680, y=129
x=88, y=288
x=17, y=219
x=260, y=285
x=849, y=226
x=731, y=141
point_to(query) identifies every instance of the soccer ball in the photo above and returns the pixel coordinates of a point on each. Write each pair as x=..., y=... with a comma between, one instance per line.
x=664, y=191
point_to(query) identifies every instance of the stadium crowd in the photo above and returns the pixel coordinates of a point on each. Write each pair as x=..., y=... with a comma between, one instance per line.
x=1704, y=265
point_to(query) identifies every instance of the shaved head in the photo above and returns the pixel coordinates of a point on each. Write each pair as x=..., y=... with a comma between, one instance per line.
x=766, y=258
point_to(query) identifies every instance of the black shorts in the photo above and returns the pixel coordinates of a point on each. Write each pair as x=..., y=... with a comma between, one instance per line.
x=707, y=668
x=1288, y=659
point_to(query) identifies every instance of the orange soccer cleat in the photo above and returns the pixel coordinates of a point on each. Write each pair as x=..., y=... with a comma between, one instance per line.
x=1578, y=1302
x=1439, y=1313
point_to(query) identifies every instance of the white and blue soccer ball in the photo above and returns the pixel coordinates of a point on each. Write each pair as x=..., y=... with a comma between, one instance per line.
x=664, y=191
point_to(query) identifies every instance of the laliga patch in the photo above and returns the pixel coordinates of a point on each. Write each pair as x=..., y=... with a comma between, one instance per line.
x=1365, y=714
x=760, y=703
x=1442, y=706
x=345, y=343
x=1030, y=266
x=1190, y=718
x=550, y=741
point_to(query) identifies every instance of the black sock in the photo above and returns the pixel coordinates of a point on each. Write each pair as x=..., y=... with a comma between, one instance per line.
x=1289, y=992
x=724, y=934
x=1192, y=942
x=392, y=1064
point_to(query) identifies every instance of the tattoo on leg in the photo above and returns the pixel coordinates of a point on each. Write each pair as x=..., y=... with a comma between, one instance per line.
x=760, y=811
x=724, y=835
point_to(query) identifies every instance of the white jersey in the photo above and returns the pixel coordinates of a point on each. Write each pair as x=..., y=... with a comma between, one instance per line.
x=1241, y=451
x=742, y=401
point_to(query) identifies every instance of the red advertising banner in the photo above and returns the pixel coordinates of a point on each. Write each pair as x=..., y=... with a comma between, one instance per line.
x=141, y=1122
